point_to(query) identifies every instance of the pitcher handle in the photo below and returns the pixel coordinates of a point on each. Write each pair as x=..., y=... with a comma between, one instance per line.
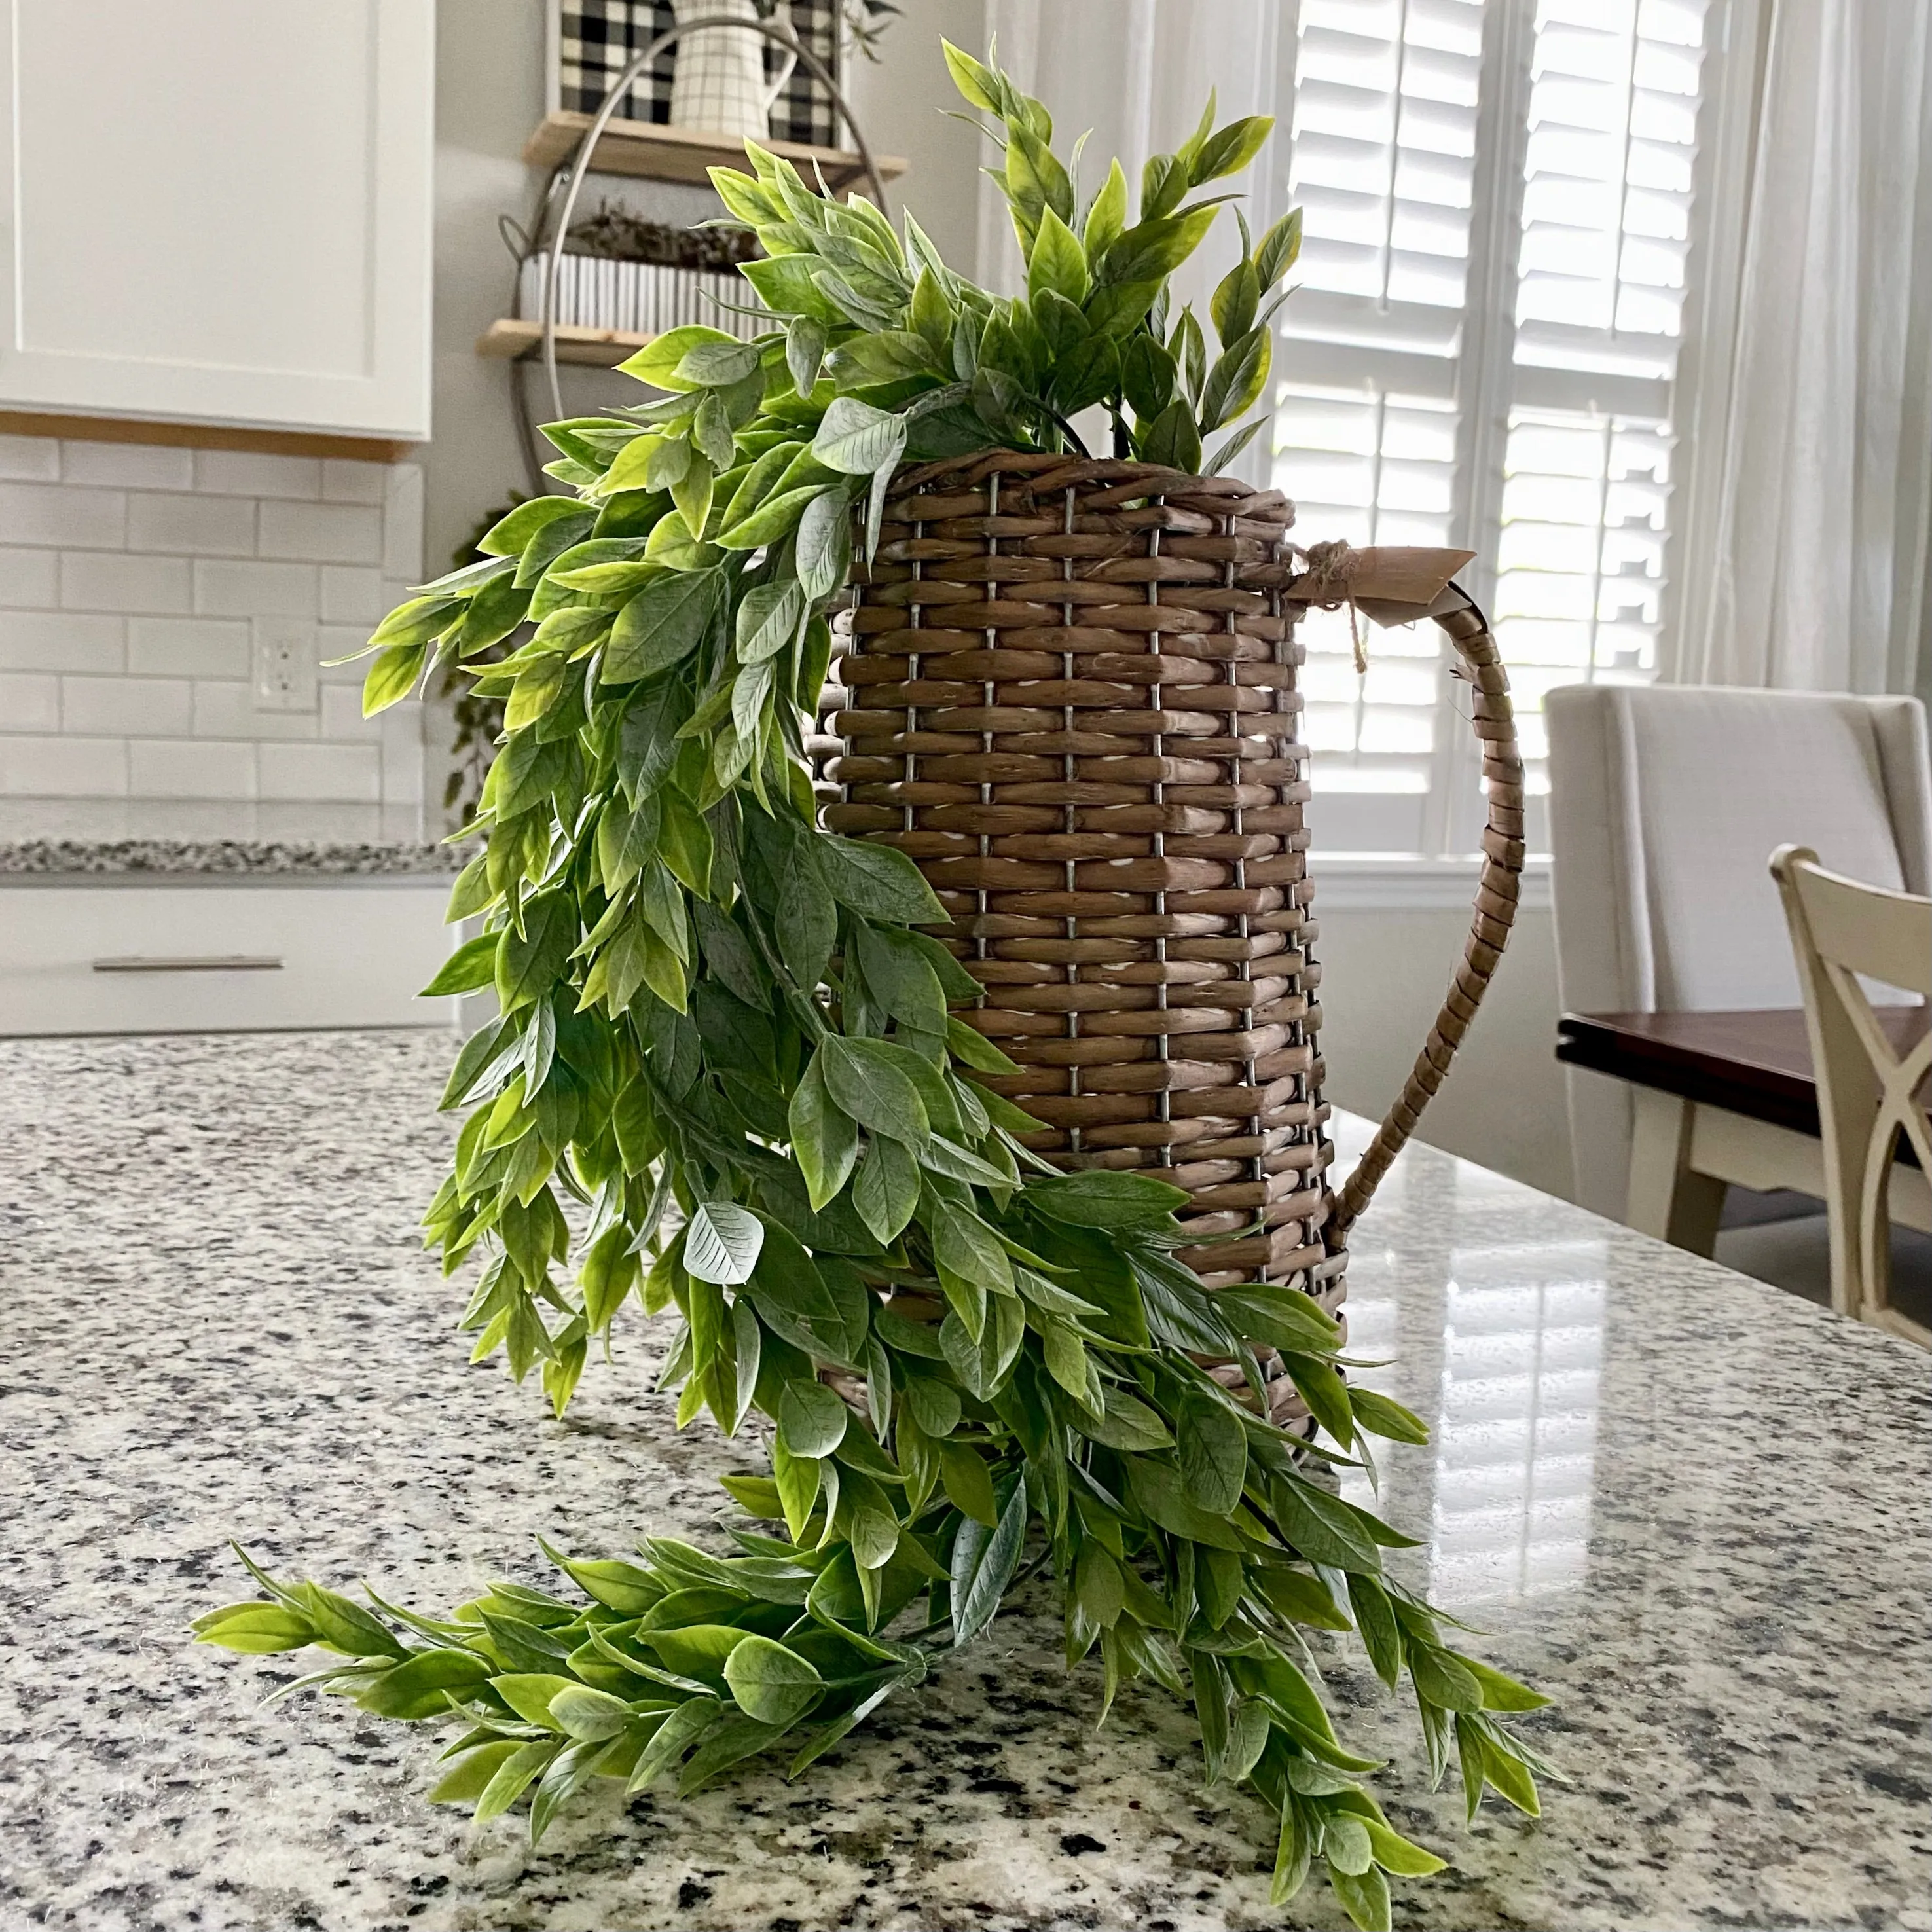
x=1497, y=891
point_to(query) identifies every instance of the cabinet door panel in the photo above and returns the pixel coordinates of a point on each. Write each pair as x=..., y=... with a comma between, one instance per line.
x=221, y=210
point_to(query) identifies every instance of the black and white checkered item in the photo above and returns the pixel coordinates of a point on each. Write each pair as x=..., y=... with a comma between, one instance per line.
x=598, y=39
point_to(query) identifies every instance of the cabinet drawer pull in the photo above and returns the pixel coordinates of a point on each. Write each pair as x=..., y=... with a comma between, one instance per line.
x=214, y=962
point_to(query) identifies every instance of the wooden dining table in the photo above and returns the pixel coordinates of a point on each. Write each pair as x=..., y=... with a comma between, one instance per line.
x=1722, y=1099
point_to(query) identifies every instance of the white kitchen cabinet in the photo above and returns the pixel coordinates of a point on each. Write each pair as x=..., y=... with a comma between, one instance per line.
x=218, y=212
x=191, y=958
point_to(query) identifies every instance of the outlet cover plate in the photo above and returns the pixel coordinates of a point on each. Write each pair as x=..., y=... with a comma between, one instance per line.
x=287, y=650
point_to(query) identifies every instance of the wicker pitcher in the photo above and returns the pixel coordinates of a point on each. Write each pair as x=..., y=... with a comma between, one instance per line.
x=1069, y=694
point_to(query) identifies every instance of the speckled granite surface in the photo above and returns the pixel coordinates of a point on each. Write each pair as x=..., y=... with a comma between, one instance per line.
x=1692, y=1510
x=225, y=858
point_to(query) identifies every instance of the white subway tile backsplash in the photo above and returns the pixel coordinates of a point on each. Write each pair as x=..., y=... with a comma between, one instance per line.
x=342, y=716
x=126, y=706
x=403, y=525
x=322, y=532
x=241, y=472
x=100, y=581
x=350, y=773
x=29, y=579
x=64, y=767
x=347, y=482
x=166, y=769
x=30, y=459
x=62, y=640
x=138, y=583
x=223, y=589
x=188, y=646
x=29, y=701
x=223, y=709
x=352, y=596
x=403, y=774
x=192, y=526
x=54, y=513
x=127, y=465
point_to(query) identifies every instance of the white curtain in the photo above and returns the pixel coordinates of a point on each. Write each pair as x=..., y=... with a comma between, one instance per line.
x=1806, y=564
x=1137, y=73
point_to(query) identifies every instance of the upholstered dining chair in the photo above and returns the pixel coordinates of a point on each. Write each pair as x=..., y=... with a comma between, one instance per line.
x=1665, y=802
x=1844, y=931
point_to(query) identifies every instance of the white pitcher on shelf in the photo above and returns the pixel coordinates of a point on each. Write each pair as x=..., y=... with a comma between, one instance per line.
x=718, y=83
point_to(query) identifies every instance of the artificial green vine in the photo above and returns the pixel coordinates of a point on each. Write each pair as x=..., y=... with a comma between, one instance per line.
x=725, y=1036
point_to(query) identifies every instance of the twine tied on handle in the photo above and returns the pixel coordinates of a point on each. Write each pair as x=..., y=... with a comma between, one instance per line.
x=1386, y=584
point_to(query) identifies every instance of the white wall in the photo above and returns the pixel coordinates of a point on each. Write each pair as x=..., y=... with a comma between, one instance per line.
x=1384, y=975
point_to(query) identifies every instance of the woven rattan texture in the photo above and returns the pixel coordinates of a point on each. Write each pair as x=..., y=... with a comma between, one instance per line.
x=1069, y=694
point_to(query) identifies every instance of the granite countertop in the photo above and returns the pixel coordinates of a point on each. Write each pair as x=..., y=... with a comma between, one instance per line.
x=1692, y=1510
x=224, y=858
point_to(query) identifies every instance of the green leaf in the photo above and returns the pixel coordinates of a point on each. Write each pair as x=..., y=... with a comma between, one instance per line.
x=824, y=1142
x=392, y=676
x=1213, y=1451
x=660, y=362
x=878, y=882
x=804, y=923
x=1231, y=149
x=255, y=1629
x=510, y=535
x=1235, y=382
x=721, y=1242
x=1128, y=1424
x=983, y=1563
x=529, y=1693
x=672, y=1738
x=886, y=1192
x=467, y=1781
x=772, y=1683
x=804, y=342
x=1500, y=1691
x=1057, y=263
x=1278, y=248
x=472, y=965
x=1160, y=1493
x=716, y=365
x=661, y=625
x=1365, y=1899
x=588, y=1715
x=812, y=1420
x=514, y=1777
x=869, y=1086
x=1401, y=1855
x=768, y=620
x=856, y=439
x=1382, y=1415
x=968, y=1483
x=529, y=962
x=1106, y=1197
x=1172, y=438
x=824, y=543
x=1282, y=1318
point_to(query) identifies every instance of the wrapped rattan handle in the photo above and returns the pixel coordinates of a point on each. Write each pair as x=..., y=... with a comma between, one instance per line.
x=1497, y=891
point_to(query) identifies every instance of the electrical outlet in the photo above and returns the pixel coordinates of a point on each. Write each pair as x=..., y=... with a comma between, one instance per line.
x=286, y=650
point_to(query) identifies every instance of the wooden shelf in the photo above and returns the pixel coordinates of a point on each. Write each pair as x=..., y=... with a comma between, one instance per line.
x=655, y=153
x=508, y=339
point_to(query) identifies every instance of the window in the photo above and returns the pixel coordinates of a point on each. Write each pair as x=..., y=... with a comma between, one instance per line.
x=1499, y=245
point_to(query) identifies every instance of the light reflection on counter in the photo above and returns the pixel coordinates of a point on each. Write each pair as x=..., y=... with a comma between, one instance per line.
x=1501, y=1359
x=1515, y=1424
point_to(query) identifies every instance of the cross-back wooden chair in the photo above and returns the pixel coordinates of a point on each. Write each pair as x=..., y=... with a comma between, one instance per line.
x=1868, y=1094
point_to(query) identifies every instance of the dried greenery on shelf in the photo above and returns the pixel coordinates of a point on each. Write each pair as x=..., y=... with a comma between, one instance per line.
x=725, y=1036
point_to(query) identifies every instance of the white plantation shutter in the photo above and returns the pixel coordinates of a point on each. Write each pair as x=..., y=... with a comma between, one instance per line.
x=1410, y=369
